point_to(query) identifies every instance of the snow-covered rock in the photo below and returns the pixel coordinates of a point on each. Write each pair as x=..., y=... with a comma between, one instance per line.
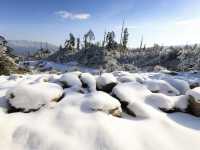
x=33, y=96
x=71, y=79
x=88, y=81
x=194, y=93
x=161, y=86
x=159, y=100
x=100, y=101
x=194, y=101
x=143, y=110
x=130, y=92
x=181, y=85
x=106, y=82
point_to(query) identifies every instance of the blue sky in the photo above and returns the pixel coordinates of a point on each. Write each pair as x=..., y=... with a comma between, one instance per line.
x=159, y=21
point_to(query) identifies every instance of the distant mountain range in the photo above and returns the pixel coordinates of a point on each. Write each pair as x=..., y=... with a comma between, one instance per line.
x=23, y=47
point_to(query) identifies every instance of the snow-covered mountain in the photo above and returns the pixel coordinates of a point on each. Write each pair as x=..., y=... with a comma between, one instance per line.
x=23, y=47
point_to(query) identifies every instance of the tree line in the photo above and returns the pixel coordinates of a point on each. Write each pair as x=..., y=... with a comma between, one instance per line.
x=88, y=41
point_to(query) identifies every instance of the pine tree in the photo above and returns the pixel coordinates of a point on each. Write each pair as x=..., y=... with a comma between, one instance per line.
x=89, y=37
x=78, y=41
x=111, y=44
x=70, y=44
x=104, y=39
x=125, y=38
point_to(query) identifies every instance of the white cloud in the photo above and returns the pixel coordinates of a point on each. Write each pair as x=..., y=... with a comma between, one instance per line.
x=73, y=16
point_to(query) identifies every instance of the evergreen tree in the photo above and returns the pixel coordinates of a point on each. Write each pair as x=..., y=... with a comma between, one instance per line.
x=89, y=37
x=60, y=48
x=104, y=39
x=111, y=44
x=125, y=38
x=78, y=41
x=70, y=44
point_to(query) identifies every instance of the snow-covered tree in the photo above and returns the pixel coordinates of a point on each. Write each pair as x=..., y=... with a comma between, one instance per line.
x=125, y=38
x=111, y=44
x=70, y=44
x=89, y=37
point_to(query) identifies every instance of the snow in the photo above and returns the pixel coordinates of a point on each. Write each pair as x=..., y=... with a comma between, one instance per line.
x=89, y=80
x=194, y=93
x=33, y=96
x=131, y=78
x=131, y=91
x=159, y=100
x=181, y=85
x=161, y=86
x=71, y=79
x=82, y=120
x=105, y=79
x=104, y=102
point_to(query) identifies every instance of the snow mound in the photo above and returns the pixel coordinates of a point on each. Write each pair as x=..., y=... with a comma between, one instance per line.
x=131, y=91
x=71, y=79
x=100, y=101
x=89, y=81
x=144, y=111
x=33, y=96
x=106, y=82
x=195, y=93
x=180, y=85
x=131, y=78
x=159, y=100
x=161, y=86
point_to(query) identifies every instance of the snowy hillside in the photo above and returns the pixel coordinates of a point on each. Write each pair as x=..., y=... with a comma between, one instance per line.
x=22, y=47
x=111, y=111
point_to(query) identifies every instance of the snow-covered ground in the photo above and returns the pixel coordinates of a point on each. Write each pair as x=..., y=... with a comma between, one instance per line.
x=59, y=112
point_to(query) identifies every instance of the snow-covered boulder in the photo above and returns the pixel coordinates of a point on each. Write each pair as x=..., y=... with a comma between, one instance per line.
x=181, y=85
x=195, y=93
x=28, y=97
x=194, y=101
x=101, y=101
x=106, y=82
x=161, y=101
x=181, y=102
x=71, y=79
x=131, y=78
x=144, y=111
x=129, y=92
x=161, y=86
x=88, y=81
